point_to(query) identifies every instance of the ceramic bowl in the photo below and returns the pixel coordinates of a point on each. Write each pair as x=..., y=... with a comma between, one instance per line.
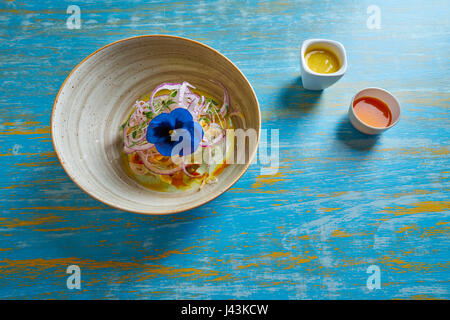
x=318, y=81
x=382, y=95
x=98, y=95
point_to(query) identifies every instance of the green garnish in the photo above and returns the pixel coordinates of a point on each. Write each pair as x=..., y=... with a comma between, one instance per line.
x=166, y=104
x=212, y=101
x=127, y=121
x=173, y=93
x=148, y=115
x=206, y=119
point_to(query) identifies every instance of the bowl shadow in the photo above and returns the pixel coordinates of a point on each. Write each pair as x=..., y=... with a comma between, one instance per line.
x=294, y=97
x=352, y=138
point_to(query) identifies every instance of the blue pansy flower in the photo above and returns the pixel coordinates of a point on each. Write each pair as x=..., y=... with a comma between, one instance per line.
x=167, y=130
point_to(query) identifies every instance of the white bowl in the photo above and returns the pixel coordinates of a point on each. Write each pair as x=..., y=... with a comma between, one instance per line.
x=97, y=96
x=318, y=81
x=382, y=95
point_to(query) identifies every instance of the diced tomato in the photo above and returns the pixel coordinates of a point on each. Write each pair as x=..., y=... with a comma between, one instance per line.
x=136, y=159
x=177, y=179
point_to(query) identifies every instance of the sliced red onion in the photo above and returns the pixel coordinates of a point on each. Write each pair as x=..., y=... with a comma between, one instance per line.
x=127, y=150
x=184, y=88
x=142, y=147
x=207, y=144
x=135, y=146
x=201, y=105
x=138, y=115
x=193, y=105
x=203, y=111
x=226, y=98
x=165, y=85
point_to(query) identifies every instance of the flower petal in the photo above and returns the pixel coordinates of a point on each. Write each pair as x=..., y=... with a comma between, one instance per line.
x=158, y=128
x=193, y=132
x=164, y=148
x=180, y=118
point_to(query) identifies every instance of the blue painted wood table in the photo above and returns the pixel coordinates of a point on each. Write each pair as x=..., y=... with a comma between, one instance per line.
x=340, y=203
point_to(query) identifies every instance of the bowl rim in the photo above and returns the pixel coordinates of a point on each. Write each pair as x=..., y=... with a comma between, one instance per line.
x=115, y=206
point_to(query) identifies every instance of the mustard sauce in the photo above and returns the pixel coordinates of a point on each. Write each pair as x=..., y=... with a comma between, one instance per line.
x=322, y=61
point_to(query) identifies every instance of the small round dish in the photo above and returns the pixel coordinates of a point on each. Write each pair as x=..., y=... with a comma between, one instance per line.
x=97, y=96
x=383, y=95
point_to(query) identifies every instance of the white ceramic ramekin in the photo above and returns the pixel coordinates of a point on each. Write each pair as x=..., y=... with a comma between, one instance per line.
x=319, y=81
x=384, y=96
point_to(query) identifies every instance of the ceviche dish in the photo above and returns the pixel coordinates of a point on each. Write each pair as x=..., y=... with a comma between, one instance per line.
x=175, y=138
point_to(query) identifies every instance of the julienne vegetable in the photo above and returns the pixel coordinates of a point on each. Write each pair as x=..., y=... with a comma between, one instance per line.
x=169, y=128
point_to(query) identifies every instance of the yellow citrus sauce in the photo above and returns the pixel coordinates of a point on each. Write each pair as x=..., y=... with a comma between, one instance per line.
x=322, y=61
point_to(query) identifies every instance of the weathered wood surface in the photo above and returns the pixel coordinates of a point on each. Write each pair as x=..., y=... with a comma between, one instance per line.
x=341, y=201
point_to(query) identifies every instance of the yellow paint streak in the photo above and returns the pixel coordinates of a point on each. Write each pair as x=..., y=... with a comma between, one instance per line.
x=409, y=193
x=419, y=207
x=241, y=190
x=423, y=232
x=331, y=195
x=406, y=228
x=247, y=266
x=223, y=278
x=269, y=180
x=16, y=223
x=423, y=297
x=282, y=259
x=44, y=155
x=440, y=151
x=299, y=260
x=171, y=252
x=343, y=234
x=433, y=231
x=33, y=268
x=274, y=283
x=59, y=208
x=63, y=229
x=37, y=164
x=193, y=273
x=13, y=186
x=277, y=254
x=23, y=124
x=45, y=130
x=330, y=209
x=402, y=266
